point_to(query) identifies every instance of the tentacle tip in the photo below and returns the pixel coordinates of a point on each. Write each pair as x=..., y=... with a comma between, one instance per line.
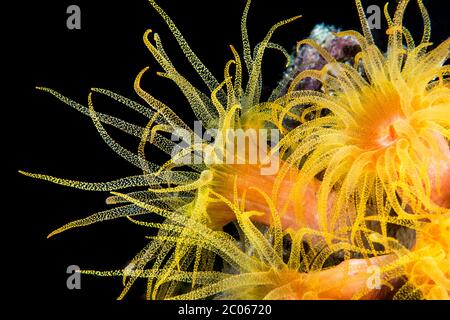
x=146, y=33
x=141, y=73
x=25, y=173
x=110, y=201
x=117, y=193
x=51, y=234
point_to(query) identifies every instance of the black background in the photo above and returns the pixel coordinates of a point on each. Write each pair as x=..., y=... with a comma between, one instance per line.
x=108, y=52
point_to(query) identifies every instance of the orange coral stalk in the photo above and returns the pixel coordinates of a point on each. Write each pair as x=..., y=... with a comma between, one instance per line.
x=429, y=270
x=295, y=211
x=439, y=173
x=355, y=278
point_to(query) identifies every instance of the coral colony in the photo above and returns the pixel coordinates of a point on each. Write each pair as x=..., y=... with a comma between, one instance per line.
x=335, y=187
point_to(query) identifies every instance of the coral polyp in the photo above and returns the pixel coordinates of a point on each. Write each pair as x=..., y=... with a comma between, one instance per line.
x=336, y=186
x=429, y=270
x=383, y=143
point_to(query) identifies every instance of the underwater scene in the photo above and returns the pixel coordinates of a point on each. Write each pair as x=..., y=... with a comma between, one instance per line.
x=240, y=150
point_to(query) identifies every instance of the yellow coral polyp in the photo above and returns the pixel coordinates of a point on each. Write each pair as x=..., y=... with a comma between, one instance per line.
x=170, y=190
x=430, y=269
x=382, y=144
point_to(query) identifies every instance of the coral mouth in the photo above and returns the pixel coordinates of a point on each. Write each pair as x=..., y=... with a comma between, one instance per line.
x=389, y=137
